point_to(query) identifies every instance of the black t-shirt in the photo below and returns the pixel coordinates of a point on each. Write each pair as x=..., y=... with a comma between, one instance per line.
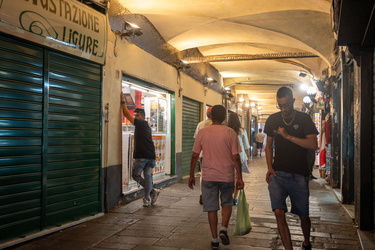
x=289, y=157
x=143, y=145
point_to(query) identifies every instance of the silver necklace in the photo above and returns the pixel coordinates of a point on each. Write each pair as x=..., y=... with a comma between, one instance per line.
x=294, y=115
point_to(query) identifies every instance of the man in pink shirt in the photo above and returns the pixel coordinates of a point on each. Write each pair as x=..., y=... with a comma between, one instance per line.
x=221, y=149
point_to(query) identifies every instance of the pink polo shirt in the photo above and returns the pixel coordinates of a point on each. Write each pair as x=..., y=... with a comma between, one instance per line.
x=218, y=143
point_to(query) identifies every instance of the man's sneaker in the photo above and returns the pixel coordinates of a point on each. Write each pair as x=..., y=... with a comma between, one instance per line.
x=224, y=237
x=214, y=245
x=308, y=247
x=235, y=202
x=146, y=202
x=200, y=200
x=154, y=196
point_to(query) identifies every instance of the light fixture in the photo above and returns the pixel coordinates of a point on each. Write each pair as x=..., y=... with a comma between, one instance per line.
x=247, y=105
x=240, y=99
x=252, y=104
x=182, y=64
x=306, y=100
x=209, y=80
x=304, y=86
x=311, y=92
x=129, y=29
x=302, y=74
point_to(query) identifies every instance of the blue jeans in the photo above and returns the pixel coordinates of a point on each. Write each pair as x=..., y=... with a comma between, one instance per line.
x=145, y=166
x=293, y=185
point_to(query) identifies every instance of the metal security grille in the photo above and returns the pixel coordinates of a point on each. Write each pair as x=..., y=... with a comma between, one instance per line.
x=49, y=138
x=190, y=120
x=21, y=132
x=73, y=139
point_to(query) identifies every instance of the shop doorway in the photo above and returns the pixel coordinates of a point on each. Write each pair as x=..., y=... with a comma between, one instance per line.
x=157, y=105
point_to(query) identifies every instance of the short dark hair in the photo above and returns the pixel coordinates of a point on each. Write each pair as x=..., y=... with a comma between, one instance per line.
x=284, y=91
x=141, y=111
x=218, y=113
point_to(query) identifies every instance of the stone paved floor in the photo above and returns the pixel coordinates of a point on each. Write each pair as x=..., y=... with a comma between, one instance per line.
x=176, y=221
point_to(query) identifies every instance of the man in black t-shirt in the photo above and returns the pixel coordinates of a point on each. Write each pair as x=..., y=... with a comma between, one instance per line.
x=292, y=133
x=144, y=153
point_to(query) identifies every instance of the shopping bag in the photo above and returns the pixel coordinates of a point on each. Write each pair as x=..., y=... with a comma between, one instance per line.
x=243, y=223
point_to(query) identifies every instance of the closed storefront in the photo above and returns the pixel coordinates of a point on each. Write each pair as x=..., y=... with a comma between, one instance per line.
x=50, y=127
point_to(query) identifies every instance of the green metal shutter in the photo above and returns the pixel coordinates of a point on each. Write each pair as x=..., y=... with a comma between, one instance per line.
x=74, y=163
x=50, y=159
x=21, y=129
x=190, y=120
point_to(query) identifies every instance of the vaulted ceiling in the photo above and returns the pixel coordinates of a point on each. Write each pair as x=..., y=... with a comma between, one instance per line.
x=256, y=45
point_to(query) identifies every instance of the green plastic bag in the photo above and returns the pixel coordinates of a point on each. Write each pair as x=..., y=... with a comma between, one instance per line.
x=243, y=223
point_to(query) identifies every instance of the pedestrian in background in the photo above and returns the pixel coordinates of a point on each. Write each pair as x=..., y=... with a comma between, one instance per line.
x=201, y=125
x=254, y=143
x=293, y=133
x=260, y=140
x=235, y=124
x=221, y=150
x=144, y=153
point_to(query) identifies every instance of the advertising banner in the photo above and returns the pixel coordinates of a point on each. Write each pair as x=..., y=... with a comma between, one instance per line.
x=65, y=25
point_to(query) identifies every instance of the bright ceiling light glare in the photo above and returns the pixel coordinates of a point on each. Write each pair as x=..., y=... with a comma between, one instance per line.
x=252, y=104
x=306, y=100
x=304, y=86
x=259, y=108
x=241, y=99
x=311, y=91
x=227, y=88
x=134, y=26
x=247, y=105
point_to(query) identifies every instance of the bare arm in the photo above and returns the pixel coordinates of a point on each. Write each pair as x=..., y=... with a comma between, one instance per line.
x=310, y=142
x=269, y=158
x=237, y=165
x=125, y=109
x=193, y=164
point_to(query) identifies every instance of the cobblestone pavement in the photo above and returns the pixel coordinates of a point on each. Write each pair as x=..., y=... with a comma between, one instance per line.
x=176, y=221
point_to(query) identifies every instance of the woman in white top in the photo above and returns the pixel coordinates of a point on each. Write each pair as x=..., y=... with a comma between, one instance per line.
x=235, y=124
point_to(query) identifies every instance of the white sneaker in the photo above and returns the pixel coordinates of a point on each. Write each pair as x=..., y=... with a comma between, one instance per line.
x=154, y=196
x=146, y=202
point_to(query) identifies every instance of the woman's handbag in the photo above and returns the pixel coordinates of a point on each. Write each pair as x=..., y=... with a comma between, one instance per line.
x=243, y=223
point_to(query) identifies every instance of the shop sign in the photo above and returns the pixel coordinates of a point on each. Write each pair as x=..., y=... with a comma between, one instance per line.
x=65, y=25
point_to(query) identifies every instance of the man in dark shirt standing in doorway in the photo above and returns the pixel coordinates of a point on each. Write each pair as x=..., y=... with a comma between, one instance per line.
x=144, y=153
x=293, y=133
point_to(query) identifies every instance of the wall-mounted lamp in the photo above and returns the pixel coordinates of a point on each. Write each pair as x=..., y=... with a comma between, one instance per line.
x=306, y=100
x=209, y=81
x=311, y=92
x=129, y=29
x=227, y=94
x=181, y=64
